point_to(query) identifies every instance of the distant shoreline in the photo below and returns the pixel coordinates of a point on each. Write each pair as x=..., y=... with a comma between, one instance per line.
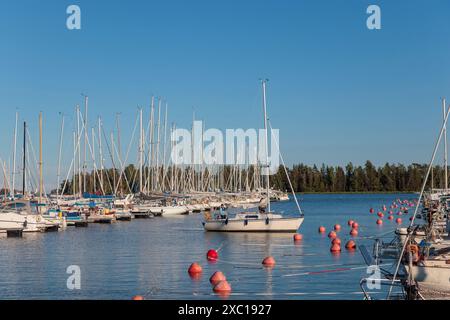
x=362, y=192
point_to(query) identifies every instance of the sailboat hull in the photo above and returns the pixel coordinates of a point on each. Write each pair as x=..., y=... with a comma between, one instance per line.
x=254, y=225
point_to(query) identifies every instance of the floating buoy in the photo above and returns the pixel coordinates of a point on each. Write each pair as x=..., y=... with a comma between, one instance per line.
x=195, y=268
x=269, y=262
x=371, y=210
x=380, y=214
x=410, y=218
x=355, y=225
x=350, y=222
x=399, y=213
x=336, y=241
x=398, y=220
x=217, y=277
x=322, y=229
x=335, y=248
x=379, y=221
x=391, y=212
x=212, y=255
x=350, y=245
x=137, y=298
x=337, y=227
x=223, y=287
x=298, y=237
x=391, y=217
x=354, y=232
x=332, y=235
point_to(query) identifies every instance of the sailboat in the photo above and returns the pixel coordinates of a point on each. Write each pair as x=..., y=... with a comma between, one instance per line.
x=262, y=221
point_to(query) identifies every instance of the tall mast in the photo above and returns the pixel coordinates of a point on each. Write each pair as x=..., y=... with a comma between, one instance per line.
x=13, y=171
x=158, y=132
x=266, y=143
x=445, y=147
x=41, y=183
x=152, y=151
x=141, y=151
x=100, y=148
x=86, y=141
x=60, y=156
x=24, y=168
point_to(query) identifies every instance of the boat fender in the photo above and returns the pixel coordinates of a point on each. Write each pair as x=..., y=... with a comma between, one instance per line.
x=267, y=221
x=245, y=222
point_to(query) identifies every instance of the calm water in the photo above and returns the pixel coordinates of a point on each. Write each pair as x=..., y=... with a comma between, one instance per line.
x=151, y=257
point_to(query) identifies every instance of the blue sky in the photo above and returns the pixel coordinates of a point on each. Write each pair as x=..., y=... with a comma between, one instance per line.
x=338, y=92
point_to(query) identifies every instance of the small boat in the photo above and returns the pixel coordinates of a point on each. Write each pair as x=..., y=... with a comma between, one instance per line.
x=19, y=215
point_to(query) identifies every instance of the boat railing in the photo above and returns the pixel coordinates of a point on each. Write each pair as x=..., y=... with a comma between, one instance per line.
x=382, y=282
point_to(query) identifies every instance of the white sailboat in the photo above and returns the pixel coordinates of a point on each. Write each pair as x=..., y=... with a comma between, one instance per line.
x=267, y=221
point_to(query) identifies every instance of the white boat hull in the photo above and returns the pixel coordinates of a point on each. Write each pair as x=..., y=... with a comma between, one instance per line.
x=254, y=225
x=432, y=278
x=169, y=211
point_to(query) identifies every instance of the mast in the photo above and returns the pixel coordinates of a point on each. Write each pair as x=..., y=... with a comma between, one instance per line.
x=100, y=148
x=24, y=174
x=141, y=151
x=59, y=156
x=41, y=183
x=266, y=143
x=445, y=147
x=14, y=158
x=86, y=141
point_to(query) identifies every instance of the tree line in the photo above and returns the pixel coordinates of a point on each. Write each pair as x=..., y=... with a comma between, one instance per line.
x=366, y=178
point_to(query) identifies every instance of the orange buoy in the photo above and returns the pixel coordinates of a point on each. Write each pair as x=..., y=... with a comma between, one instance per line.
x=354, y=232
x=337, y=227
x=350, y=245
x=398, y=220
x=350, y=222
x=212, y=255
x=391, y=217
x=379, y=221
x=332, y=235
x=223, y=287
x=371, y=210
x=355, y=225
x=217, y=277
x=322, y=229
x=380, y=214
x=399, y=213
x=195, y=268
x=298, y=237
x=269, y=262
x=335, y=248
x=336, y=241
x=137, y=298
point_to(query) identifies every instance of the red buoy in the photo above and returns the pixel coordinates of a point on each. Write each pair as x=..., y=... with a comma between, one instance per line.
x=379, y=221
x=380, y=214
x=398, y=220
x=298, y=237
x=269, y=262
x=223, y=287
x=372, y=210
x=399, y=213
x=350, y=222
x=212, y=255
x=350, y=245
x=137, y=298
x=195, y=268
x=355, y=225
x=335, y=248
x=322, y=229
x=336, y=241
x=337, y=227
x=332, y=235
x=354, y=232
x=217, y=277
x=391, y=217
